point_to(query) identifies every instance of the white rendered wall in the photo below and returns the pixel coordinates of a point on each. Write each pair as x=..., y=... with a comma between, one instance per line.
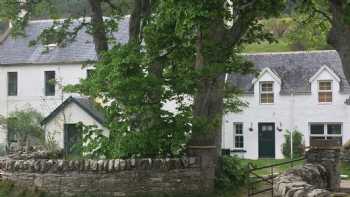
x=292, y=112
x=31, y=88
x=71, y=114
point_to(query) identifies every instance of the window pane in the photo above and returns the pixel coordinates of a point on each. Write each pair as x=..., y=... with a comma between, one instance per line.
x=324, y=97
x=266, y=98
x=334, y=129
x=239, y=128
x=317, y=129
x=267, y=87
x=325, y=85
x=239, y=142
x=50, y=83
x=12, y=83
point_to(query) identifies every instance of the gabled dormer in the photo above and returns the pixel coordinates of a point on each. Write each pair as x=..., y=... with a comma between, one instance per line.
x=266, y=86
x=324, y=83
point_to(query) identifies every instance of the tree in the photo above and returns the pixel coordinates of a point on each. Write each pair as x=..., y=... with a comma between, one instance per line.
x=337, y=13
x=188, y=47
x=24, y=126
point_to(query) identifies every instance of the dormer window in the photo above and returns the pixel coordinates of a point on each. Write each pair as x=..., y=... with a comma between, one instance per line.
x=266, y=92
x=325, y=91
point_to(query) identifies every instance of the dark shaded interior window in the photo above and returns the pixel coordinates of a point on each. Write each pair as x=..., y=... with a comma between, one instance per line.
x=334, y=128
x=89, y=73
x=50, y=83
x=317, y=129
x=12, y=83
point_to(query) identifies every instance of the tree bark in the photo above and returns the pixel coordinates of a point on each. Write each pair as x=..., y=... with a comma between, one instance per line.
x=141, y=10
x=98, y=27
x=339, y=36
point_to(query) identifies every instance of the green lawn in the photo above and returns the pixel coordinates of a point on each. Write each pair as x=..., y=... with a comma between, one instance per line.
x=267, y=162
x=280, y=46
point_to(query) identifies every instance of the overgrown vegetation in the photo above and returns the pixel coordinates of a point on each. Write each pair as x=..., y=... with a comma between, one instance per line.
x=24, y=128
x=233, y=175
x=293, y=34
x=298, y=144
x=8, y=189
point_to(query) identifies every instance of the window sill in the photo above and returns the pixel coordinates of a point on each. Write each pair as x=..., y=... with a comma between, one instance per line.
x=238, y=151
x=266, y=103
x=325, y=103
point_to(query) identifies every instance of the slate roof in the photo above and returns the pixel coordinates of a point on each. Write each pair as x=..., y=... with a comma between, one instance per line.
x=294, y=68
x=84, y=103
x=17, y=51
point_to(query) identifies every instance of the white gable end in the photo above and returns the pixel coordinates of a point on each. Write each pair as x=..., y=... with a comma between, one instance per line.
x=267, y=75
x=324, y=73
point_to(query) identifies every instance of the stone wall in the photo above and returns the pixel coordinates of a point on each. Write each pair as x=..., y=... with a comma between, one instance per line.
x=109, y=177
x=316, y=178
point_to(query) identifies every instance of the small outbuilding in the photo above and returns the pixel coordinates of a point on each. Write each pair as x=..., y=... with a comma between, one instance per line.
x=60, y=125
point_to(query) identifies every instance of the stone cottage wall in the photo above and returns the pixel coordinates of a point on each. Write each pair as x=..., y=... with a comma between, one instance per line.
x=108, y=177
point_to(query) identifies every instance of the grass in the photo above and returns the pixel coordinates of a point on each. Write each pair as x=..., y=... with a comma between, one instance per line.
x=280, y=46
x=267, y=162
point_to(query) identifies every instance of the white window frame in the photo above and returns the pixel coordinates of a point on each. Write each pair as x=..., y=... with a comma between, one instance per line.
x=324, y=91
x=325, y=134
x=266, y=92
x=237, y=135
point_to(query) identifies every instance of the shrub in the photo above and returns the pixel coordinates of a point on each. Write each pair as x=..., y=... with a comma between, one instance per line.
x=308, y=36
x=298, y=145
x=232, y=176
x=24, y=127
x=279, y=27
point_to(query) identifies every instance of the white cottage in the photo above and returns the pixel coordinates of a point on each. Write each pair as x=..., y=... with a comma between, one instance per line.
x=302, y=91
x=26, y=73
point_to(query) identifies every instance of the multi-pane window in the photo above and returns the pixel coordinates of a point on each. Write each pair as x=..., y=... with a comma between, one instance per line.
x=266, y=92
x=50, y=83
x=238, y=135
x=12, y=79
x=326, y=131
x=324, y=91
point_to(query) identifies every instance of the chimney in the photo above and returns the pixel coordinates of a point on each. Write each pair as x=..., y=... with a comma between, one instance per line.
x=4, y=34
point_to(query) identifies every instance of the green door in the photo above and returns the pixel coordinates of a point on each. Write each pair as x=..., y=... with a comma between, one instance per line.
x=266, y=140
x=72, y=139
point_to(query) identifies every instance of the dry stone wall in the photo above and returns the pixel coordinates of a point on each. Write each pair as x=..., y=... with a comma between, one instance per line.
x=316, y=178
x=108, y=177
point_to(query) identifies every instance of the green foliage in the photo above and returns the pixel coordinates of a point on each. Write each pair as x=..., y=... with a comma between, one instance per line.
x=8, y=189
x=298, y=145
x=233, y=175
x=24, y=126
x=310, y=35
x=279, y=27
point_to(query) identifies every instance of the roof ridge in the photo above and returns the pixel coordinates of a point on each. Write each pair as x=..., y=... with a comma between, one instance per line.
x=289, y=52
x=62, y=19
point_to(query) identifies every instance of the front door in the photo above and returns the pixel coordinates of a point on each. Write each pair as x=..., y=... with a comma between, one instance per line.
x=266, y=140
x=72, y=139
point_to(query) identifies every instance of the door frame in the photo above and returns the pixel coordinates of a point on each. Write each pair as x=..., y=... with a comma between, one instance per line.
x=274, y=139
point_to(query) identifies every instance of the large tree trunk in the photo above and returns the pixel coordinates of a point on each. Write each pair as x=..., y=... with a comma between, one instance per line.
x=98, y=27
x=339, y=36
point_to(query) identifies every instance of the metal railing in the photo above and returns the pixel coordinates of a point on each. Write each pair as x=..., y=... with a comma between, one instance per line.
x=268, y=179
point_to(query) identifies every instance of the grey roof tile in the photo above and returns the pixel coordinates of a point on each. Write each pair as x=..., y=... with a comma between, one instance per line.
x=294, y=68
x=17, y=50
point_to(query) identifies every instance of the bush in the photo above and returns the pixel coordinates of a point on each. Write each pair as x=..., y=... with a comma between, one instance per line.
x=24, y=127
x=279, y=27
x=298, y=145
x=308, y=36
x=232, y=176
